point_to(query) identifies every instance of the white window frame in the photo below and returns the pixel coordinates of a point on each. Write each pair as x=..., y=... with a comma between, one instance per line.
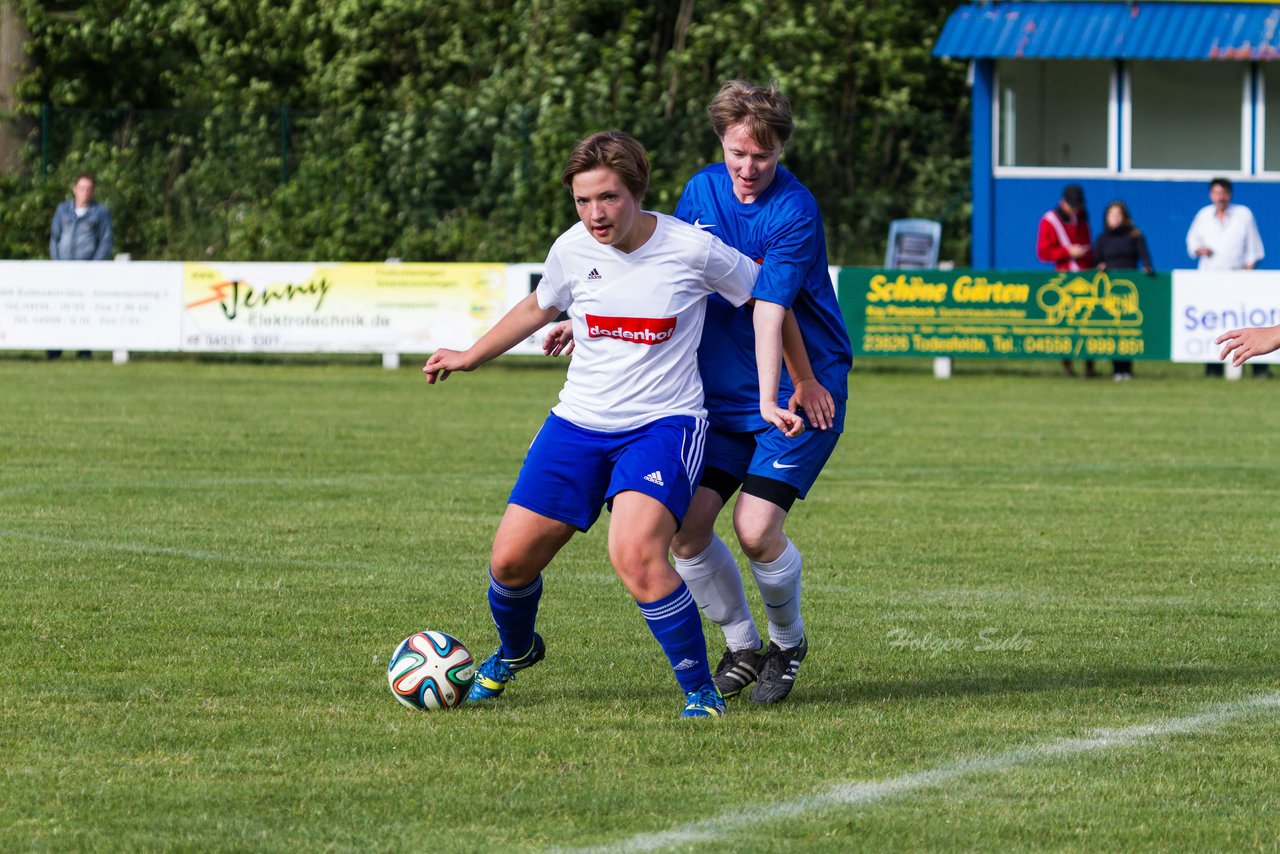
x=1113, y=156
x=1260, y=128
x=1247, y=136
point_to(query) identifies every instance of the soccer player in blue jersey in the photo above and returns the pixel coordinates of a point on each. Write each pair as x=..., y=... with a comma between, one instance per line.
x=758, y=207
x=630, y=425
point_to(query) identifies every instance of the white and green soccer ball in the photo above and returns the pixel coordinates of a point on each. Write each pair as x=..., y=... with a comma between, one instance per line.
x=431, y=671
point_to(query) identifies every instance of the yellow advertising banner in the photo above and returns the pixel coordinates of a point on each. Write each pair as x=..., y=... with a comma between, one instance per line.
x=344, y=308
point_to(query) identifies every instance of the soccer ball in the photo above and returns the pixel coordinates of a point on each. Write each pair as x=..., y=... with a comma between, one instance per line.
x=431, y=670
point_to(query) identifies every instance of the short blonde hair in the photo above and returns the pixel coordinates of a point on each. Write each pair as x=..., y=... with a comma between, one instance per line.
x=615, y=151
x=765, y=111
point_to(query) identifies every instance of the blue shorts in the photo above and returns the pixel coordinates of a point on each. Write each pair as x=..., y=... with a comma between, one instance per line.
x=770, y=455
x=570, y=472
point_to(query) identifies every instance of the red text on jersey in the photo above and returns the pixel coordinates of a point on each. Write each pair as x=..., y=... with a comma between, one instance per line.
x=637, y=330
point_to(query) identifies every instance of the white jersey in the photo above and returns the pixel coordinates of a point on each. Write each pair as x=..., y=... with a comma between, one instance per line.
x=637, y=320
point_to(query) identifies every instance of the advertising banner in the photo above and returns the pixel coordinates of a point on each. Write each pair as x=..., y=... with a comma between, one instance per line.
x=351, y=308
x=1006, y=313
x=1207, y=304
x=89, y=305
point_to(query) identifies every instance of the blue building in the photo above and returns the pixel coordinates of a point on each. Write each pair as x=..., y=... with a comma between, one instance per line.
x=1144, y=102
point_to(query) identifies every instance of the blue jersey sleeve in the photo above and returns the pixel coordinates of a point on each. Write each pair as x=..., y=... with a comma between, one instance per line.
x=788, y=257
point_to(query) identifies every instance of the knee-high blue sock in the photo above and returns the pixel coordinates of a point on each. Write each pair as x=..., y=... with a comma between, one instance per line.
x=677, y=624
x=514, y=610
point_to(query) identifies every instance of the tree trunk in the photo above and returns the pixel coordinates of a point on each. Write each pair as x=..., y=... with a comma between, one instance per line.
x=14, y=62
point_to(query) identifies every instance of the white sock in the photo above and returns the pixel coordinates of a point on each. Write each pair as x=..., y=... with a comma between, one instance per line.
x=779, y=584
x=716, y=584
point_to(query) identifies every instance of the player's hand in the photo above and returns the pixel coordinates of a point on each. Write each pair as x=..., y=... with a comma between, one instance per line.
x=788, y=422
x=1243, y=344
x=559, y=340
x=444, y=362
x=813, y=397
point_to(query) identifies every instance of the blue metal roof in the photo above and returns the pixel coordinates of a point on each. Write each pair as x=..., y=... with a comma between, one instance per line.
x=1084, y=30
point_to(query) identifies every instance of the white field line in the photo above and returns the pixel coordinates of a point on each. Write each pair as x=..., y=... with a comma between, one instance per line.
x=348, y=481
x=186, y=554
x=867, y=792
x=942, y=594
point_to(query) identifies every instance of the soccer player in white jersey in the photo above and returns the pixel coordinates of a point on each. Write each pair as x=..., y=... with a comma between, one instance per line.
x=630, y=425
x=758, y=207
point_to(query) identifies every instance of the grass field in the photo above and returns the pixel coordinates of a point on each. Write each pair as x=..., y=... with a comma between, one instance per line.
x=1042, y=612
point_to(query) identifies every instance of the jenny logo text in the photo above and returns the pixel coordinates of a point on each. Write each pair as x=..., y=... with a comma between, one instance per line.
x=235, y=295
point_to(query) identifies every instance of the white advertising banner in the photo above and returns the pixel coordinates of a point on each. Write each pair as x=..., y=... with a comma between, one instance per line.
x=1206, y=304
x=340, y=308
x=522, y=280
x=89, y=305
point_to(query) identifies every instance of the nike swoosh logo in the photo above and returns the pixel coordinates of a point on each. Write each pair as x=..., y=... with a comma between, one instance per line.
x=779, y=465
x=698, y=223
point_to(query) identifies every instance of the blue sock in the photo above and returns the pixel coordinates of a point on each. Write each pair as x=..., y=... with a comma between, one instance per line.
x=677, y=624
x=514, y=609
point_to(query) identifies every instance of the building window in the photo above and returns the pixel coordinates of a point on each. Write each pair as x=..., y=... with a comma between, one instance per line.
x=1270, y=119
x=1053, y=114
x=1187, y=115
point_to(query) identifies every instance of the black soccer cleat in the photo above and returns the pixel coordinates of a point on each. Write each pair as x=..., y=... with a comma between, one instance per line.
x=738, y=669
x=778, y=672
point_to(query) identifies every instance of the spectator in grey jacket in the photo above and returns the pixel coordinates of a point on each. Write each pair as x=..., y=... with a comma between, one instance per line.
x=81, y=231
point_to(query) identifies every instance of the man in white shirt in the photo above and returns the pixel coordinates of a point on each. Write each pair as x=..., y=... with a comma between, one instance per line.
x=1224, y=236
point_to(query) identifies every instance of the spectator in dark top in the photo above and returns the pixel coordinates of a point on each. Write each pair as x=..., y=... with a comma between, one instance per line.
x=80, y=231
x=1121, y=246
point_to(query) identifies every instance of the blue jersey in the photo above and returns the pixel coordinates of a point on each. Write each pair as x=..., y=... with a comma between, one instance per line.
x=783, y=229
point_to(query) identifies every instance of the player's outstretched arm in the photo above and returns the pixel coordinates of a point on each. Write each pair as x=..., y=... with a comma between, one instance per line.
x=515, y=326
x=767, y=317
x=559, y=339
x=810, y=395
x=1243, y=344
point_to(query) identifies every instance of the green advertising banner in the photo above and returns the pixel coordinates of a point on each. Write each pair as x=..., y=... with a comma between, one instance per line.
x=1007, y=313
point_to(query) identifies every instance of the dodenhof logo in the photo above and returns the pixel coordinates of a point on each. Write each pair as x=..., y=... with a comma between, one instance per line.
x=637, y=330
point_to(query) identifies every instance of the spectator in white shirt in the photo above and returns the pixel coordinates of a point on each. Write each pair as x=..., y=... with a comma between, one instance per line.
x=1224, y=236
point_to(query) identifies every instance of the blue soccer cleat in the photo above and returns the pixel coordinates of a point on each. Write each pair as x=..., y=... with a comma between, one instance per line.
x=706, y=702
x=494, y=674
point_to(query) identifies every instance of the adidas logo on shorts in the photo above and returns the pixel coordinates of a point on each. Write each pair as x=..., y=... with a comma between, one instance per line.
x=655, y=477
x=593, y=275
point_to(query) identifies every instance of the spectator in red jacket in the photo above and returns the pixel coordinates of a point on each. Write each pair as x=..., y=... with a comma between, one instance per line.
x=1065, y=242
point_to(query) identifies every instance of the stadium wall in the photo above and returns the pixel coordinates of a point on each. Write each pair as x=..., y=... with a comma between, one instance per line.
x=1162, y=208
